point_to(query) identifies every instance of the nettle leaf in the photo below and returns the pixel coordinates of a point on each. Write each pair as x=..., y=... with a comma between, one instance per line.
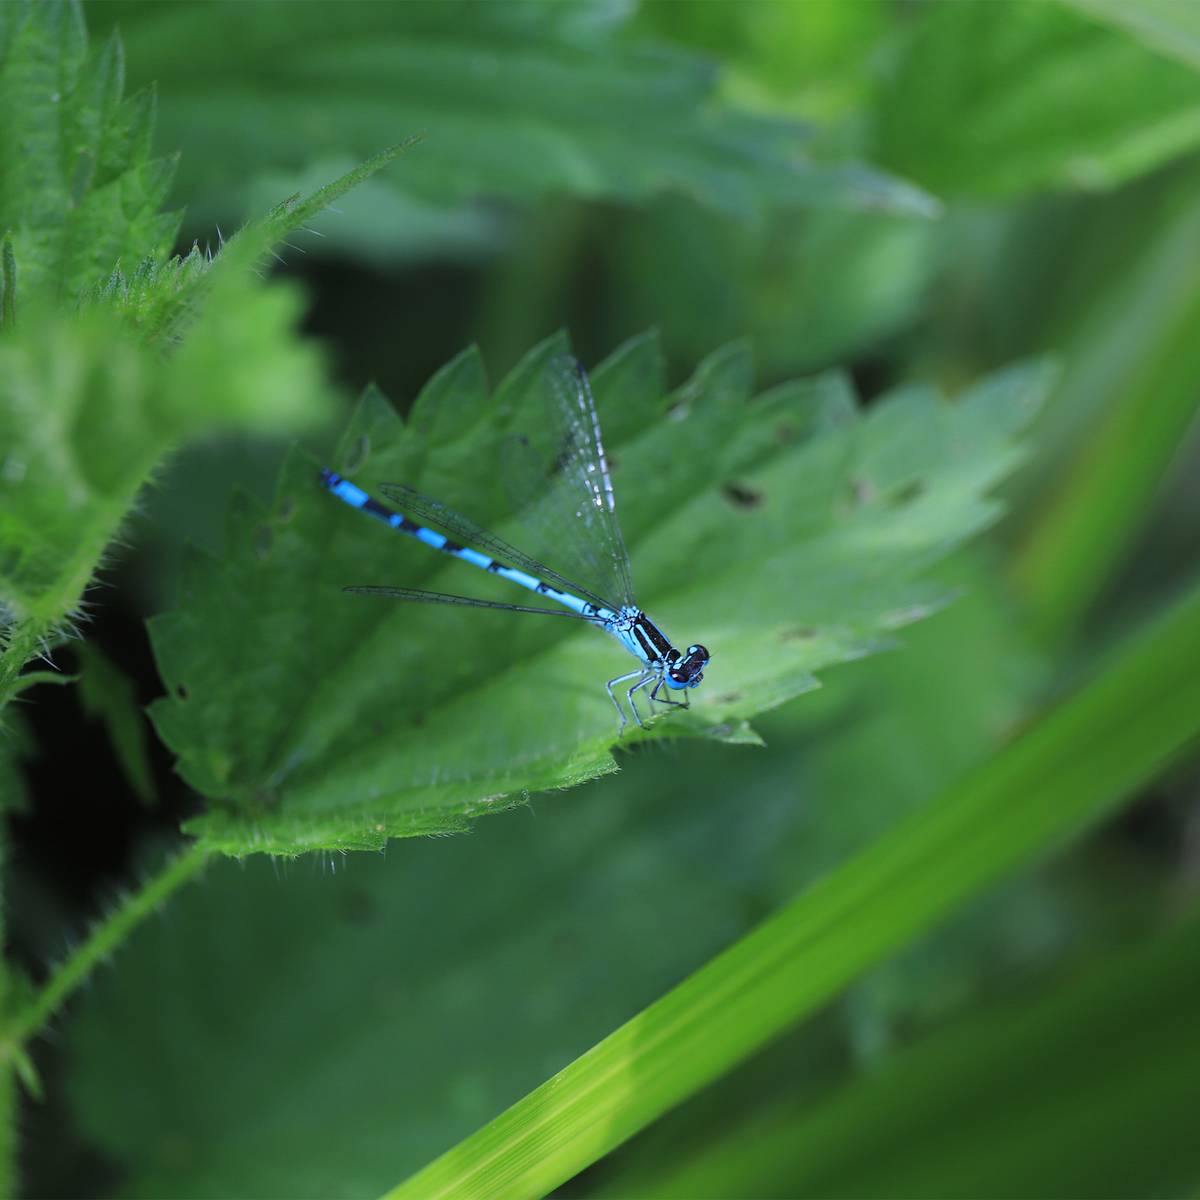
x=1093, y=107
x=111, y=354
x=517, y=100
x=786, y=532
x=161, y=299
x=86, y=414
x=79, y=190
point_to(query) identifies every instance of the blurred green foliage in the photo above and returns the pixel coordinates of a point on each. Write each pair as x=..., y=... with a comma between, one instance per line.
x=108, y=695
x=577, y=875
x=941, y=860
x=1042, y=97
x=1050, y=1071
x=517, y=99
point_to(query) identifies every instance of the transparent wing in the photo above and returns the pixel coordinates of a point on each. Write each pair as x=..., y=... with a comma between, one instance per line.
x=557, y=478
x=399, y=593
x=421, y=508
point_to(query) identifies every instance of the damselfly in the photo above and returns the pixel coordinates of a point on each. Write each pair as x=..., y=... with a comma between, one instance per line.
x=564, y=459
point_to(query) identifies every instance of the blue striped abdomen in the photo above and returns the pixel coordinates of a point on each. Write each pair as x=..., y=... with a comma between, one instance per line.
x=355, y=497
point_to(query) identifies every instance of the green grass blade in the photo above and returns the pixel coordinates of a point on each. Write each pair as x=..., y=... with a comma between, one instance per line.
x=1013, y=1100
x=1128, y=400
x=1114, y=735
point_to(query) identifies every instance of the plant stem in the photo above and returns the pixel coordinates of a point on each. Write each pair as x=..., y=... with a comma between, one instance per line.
x=104, y=939
x=16, y=649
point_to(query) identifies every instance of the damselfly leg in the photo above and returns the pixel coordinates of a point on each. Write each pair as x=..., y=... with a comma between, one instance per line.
x=684, y=703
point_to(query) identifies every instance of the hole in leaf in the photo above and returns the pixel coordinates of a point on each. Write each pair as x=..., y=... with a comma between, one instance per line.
x=356, y=455
x=264, y=539
x=741, y=496
x=181, y=692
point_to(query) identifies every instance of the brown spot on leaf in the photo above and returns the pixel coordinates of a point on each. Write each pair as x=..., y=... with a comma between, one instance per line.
x=741, y=496
x=801, y=634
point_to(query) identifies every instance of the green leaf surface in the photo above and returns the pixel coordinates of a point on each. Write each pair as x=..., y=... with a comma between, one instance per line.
x=918, y=708
x=1171, y=27
x=85, y=416
x=30, y=1009
x=1080, y=1088
x=1113, y=736
x=440, y=1026
x=1119, y=423
x=319, y=720
x=79, y=191
x=392, y=1006
x=817, y=288
x=1092, y=109
x=8, y=280
x=808, y=58
x=516, y=100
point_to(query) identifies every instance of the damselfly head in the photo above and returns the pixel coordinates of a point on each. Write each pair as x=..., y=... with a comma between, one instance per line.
x=688, y=671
